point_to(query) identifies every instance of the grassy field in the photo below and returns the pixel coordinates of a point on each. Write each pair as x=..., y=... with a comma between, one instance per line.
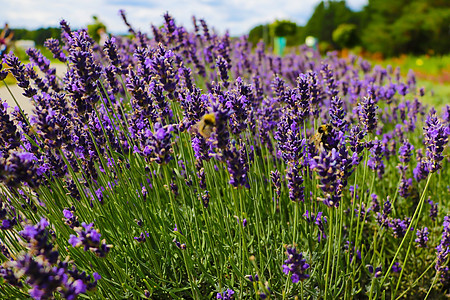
x=432, y=73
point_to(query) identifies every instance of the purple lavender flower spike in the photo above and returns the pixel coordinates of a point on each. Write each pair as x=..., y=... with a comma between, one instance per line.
x=443, y=250
x=3, y=73
x=237, y=165
x=295, y=265
x=89, y=238
x=19, y=72
x=404, y=152
x=422, y=237
x=9, y=134
x=226, y=295
x=421, y=170
x=400, y=226
x=396, y=267
x=367, y=112
x=41, y=267
x=375, y=161
x=294, y=181
x=435, y=138
x=276, y=181
x=326, y=166
x=383, y=218
x=20, y=167
x=433, y=210
x=53, y=46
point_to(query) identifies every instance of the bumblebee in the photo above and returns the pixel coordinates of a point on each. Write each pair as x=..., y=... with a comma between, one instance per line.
x=206, y=125
x=320, y=138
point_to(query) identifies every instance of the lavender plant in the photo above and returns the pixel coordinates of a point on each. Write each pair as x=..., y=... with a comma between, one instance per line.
x=110, y=188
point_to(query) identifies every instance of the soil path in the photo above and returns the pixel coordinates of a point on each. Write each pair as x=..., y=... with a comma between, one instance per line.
x=23, y=101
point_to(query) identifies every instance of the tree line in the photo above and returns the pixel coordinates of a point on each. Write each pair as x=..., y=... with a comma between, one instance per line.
x=38, y=35
x=383, y=26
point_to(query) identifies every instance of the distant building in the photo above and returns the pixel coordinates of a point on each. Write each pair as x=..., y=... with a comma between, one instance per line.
x=25, y=44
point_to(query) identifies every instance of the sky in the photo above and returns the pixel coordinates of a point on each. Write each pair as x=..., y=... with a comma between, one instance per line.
x=236, y=16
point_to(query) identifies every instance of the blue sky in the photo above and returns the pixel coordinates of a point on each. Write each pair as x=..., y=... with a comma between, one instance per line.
x=238, y=16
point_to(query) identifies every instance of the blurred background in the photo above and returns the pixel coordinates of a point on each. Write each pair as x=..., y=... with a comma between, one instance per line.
x=412, y=34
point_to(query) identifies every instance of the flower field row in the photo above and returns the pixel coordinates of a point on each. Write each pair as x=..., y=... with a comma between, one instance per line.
x=184, y=164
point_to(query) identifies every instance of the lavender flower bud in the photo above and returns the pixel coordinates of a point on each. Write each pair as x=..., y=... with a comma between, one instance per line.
x=435, y=138
x=367, y=112
x=89, y=238
x=295, y=265
x=422, y=237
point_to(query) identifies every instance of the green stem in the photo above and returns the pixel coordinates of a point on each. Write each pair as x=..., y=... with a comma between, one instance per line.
x=330, y=241
x=417, y=280
x=432, y=285
x=416, y=214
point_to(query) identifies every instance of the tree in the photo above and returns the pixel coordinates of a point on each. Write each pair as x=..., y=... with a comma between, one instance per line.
x=345, y=36
x=94, y=29
x=326, y=19
x=258, y=33
x=38, y=36
x=283, y=28
x=405, y=26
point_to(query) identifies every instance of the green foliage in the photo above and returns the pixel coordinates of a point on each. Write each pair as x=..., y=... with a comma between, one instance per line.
x=326, y=19
x=383, y=26
x=345, y=35
x=394, y=27
x=283, y=28
x=38, y=36
x=297, y=38
x=258, y=33
x=93, y=29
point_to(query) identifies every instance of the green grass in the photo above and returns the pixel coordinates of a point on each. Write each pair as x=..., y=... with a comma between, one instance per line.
x=432, y=73
x=436, y=94
x=424, y=64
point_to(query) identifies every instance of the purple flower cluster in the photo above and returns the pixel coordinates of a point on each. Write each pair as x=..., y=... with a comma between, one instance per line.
x=383, y=218
x=19, y=167
x=367, y=112
x=142, y=237
x=237, y=164
x=400, y=227
x=327, y=166
x=9, y=135
x=318, y=220
x=42, y=269
x=295, y=265
x=70, y=219
x=3, y=73
x=377, y=271
x=89, y=238
x=375, y=161
x=294, y=182
x=422, y=237
x=226, y=295
x=19, y=71
x=435, y=138
x=276, y=182
x=396, y=267
x=443, y=250
x=433, y=210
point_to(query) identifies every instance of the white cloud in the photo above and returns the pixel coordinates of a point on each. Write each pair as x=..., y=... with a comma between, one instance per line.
x=235, y=15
